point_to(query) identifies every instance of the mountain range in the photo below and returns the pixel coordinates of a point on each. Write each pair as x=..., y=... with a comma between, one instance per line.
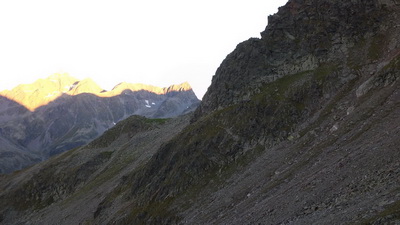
x=60, y=112
x=300, y=126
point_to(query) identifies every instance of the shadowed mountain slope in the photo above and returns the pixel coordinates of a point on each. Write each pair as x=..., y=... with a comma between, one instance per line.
x=298, y=127
x=69, y=113
x=81, y=175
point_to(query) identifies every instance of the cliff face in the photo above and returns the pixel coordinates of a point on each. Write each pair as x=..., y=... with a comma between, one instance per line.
x=298, y=127
x=304, y=36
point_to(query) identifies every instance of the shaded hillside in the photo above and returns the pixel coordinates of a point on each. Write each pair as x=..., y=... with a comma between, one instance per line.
x=81, y=176
x=298, y=127
x=76, y=116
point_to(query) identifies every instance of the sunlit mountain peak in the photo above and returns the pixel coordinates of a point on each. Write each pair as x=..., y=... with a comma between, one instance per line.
x=44, y=91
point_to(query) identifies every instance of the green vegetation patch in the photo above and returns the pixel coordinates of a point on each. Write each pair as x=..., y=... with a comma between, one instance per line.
x=377, y=46
x=326, y=69
x=152, y=213
x=130, y=126
x=159, y=121
x=278, y=88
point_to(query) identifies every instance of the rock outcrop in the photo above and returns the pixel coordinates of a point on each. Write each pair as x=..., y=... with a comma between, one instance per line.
x=304, y=36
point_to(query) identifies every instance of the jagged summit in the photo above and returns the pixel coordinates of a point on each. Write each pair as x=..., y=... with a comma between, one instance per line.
x=40, y=92
x=144, y=87
x=180, y=87
x=85, y=86
x=44, y=91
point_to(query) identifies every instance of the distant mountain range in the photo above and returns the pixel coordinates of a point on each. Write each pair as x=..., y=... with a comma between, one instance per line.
x=60, y=112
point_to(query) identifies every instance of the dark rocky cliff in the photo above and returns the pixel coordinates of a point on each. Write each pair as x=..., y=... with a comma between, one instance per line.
x=298, y=127
x=303, y=36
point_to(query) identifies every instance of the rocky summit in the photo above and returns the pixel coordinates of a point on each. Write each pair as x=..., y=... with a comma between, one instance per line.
x=60, y=112
x=300, y=126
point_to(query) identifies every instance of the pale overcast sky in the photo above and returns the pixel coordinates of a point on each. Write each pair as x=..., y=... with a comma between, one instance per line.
x=155, y=42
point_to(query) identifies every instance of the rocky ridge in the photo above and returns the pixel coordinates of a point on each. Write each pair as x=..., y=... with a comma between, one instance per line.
x=43, y=91
x=60, y=113
x=298, y=127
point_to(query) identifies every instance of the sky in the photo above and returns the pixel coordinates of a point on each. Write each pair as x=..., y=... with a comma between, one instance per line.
x=155, y=42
